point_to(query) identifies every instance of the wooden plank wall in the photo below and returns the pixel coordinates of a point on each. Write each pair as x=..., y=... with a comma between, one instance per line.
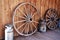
x=7, y=6
x=58, y=7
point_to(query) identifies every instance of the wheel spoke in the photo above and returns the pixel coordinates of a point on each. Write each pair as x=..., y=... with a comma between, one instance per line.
x=21, y=25
x=48, y=13
x=55, y=21
x=56, y=17
x=21, y=17
x=22, y=12
x=52, y=15
x=53, y=25
x=24, y=28
x=34, y=14
x=49, y=25
x=27, y=10
x=48, y=22
x=20, y=21
x=33, y=25
x=26, y=31
x=27, y=28
x=47, y=16
x=34, y=21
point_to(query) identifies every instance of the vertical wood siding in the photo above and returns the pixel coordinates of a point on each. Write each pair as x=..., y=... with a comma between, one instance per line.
x=7, y=6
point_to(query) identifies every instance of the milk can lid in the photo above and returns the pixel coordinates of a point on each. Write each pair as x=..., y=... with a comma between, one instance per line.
x=8, y=25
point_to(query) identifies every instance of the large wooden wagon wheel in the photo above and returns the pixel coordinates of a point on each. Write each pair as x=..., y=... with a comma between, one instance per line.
x=51, y=18
x=24, y=20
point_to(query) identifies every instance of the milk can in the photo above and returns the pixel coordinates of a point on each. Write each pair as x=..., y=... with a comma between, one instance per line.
x=8, y=32
x=42, y=26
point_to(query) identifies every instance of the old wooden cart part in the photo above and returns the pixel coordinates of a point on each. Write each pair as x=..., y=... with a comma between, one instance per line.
x=51, y=17
x=24, y=20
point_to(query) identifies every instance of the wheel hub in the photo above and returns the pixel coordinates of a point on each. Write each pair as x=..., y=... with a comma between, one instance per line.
x=52, y=19
x=28, y=18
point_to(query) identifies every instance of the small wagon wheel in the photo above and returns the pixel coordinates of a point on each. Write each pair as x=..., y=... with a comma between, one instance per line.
x=24, y=20
x=51, y=18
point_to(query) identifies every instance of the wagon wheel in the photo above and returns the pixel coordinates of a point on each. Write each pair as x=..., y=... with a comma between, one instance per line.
x=24, y=20
x=51, y=18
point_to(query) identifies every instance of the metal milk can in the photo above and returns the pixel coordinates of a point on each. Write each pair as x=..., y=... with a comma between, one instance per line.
x=8, y=32
x=42, y=26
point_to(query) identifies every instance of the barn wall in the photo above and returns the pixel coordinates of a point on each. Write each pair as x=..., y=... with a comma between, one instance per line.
x=58, y=8
x=7, y=6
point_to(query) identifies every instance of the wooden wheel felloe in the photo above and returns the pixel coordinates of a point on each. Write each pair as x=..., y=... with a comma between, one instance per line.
x=24, y=20
x=51, y=18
